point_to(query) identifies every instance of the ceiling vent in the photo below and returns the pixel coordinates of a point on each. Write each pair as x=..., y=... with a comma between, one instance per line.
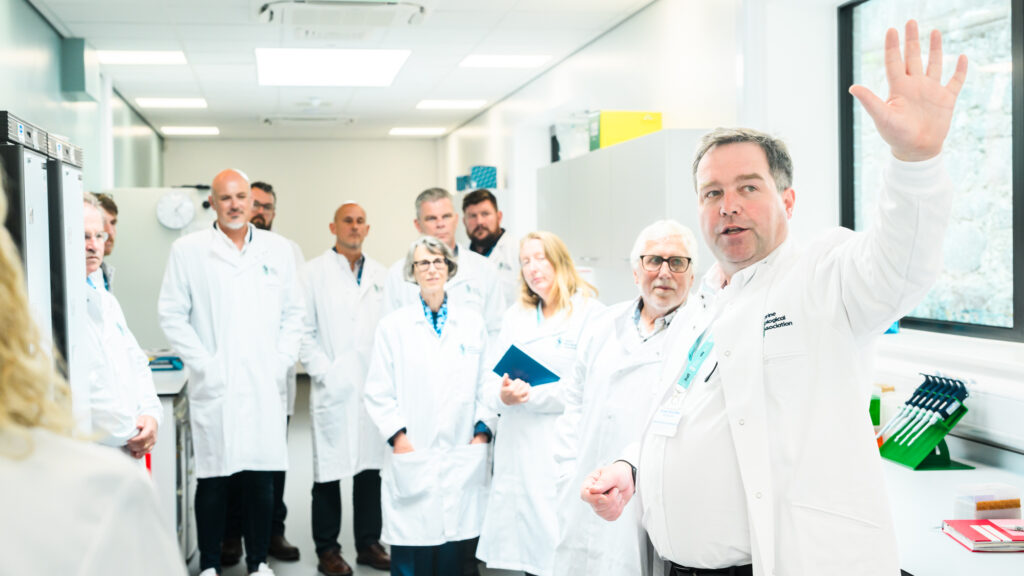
x=325, y=121
x=341, y=19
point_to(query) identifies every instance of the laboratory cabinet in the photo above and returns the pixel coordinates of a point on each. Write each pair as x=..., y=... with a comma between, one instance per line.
x=599, y=202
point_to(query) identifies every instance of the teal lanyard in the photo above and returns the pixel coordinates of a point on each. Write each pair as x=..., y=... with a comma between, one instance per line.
x=695, y=359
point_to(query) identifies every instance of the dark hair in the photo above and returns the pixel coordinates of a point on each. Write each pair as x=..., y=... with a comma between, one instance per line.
x=107, y=203
x=265, y=187
x=477, y=196
x=779, y=162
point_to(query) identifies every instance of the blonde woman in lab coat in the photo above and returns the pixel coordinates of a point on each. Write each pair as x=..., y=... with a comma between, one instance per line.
x=520, y=528
x=69, y=507
x=422, y=394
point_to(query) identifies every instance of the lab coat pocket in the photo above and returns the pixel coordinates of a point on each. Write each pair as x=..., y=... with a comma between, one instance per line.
x=337, y=387
x=206, y=381
x=816, y=529
x=467, y=468
x=412, y=474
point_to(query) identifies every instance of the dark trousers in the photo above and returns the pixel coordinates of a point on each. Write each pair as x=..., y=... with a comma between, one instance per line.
x=257, y=495
x=366, y=515
x=233, y=528
x=442, y=560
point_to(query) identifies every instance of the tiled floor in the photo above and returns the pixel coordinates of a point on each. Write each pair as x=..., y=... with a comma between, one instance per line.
x=297, y=498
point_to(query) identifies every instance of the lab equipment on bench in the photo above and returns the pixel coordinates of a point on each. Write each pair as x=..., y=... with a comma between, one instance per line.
x=919, y=428
x=991, y=500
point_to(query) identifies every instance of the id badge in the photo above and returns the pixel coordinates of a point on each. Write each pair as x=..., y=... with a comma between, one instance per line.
x=666, y=420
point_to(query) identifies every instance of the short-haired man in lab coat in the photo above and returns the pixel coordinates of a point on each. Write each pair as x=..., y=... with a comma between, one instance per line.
x=476, y=285
x=760, y=458
x=237, y=360
x=344, y=293
x=610, y=394
x=264, y=209
x=123, y=405
x=487, y=238
x=110, y=227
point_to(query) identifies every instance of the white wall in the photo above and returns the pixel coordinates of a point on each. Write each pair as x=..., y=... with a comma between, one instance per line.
x=313, y=177
x=675, y=56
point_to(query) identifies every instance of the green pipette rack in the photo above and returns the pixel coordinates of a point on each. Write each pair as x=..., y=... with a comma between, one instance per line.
x=929, y=451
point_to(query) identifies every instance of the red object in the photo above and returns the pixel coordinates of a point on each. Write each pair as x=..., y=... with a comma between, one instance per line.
x=987, y=535
x=149, y=463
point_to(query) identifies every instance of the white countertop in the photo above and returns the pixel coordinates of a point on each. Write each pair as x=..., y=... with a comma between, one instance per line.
x=922, y=500
x=169, y=382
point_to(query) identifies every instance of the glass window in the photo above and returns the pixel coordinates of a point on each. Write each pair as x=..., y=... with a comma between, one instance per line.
x=977, y=284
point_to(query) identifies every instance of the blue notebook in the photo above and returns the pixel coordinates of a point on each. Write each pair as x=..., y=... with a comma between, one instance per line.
x=519, y=364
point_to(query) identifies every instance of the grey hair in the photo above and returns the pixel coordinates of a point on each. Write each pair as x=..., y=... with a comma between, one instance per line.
x=91, y=199
x=665, y=229
x=780, y=164
x=434, y=246
x=431, y=195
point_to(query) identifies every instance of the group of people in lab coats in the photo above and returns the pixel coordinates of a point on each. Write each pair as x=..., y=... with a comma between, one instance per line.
x=739, y=411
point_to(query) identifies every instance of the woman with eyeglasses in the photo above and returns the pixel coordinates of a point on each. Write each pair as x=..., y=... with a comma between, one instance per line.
x=520, y=528
x=69, y=506
x=422, y=394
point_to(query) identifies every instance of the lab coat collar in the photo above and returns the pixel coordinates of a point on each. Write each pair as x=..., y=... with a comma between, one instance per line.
x=713, y=281
x=218, y=233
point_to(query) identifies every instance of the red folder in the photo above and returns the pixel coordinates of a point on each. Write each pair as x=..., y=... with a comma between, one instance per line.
x=987, y=535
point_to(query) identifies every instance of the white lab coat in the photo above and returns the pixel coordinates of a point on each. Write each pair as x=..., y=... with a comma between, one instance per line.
x=236, y=319
x=430, y=387
x=341, y=318
x=505, y=257
x=475, y=286
x=614, y=387
x=292, y=375
x=98, y=505
x=120, y=382
x=520, y=528
x=797, y=394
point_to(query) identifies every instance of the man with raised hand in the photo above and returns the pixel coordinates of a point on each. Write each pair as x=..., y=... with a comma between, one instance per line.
x=761, y=457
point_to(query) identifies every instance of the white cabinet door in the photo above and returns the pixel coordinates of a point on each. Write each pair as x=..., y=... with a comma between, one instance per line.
x=591, y=194
x=553, y=205
x=638, y=181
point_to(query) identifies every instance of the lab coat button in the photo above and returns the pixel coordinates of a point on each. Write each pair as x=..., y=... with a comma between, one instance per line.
x=728, y=353
x=757, y=495
x=742, y=421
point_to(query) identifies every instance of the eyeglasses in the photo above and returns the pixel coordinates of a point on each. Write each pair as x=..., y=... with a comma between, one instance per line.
x=424, y=265
x=101, y=236
x=676, y=264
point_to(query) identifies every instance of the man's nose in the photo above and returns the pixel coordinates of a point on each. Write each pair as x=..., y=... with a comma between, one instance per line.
x=731, y=203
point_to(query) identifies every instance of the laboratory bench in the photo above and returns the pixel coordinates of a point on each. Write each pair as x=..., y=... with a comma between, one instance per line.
x=171, y=461
x=921, y=500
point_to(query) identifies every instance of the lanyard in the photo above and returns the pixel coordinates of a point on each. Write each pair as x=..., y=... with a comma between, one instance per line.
x=695, y=359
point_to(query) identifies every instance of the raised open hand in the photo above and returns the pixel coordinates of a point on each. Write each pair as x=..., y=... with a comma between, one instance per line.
x=915, y=119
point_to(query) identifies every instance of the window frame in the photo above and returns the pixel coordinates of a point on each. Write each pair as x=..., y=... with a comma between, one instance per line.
x=846, y=170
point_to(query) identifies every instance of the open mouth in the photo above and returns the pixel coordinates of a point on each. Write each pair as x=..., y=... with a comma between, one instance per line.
x=732, y=230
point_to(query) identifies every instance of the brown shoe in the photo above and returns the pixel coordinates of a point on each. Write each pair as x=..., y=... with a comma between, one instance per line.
x=375, y=556
x=332, y=564
x=282, y=549
x=230, y=551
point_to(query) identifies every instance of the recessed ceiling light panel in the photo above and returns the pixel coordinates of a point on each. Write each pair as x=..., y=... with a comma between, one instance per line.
x=451, y=104
x=417, y=131
x=171, y=102
x=141, y=57
x=328, y=67
x=190, y=130
x=504, y=61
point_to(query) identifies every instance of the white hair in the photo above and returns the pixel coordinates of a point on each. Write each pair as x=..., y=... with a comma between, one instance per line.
x=664, y=229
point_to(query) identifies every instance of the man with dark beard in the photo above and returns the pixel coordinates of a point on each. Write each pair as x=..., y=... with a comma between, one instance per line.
x=264, y=205
x=487, y=238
